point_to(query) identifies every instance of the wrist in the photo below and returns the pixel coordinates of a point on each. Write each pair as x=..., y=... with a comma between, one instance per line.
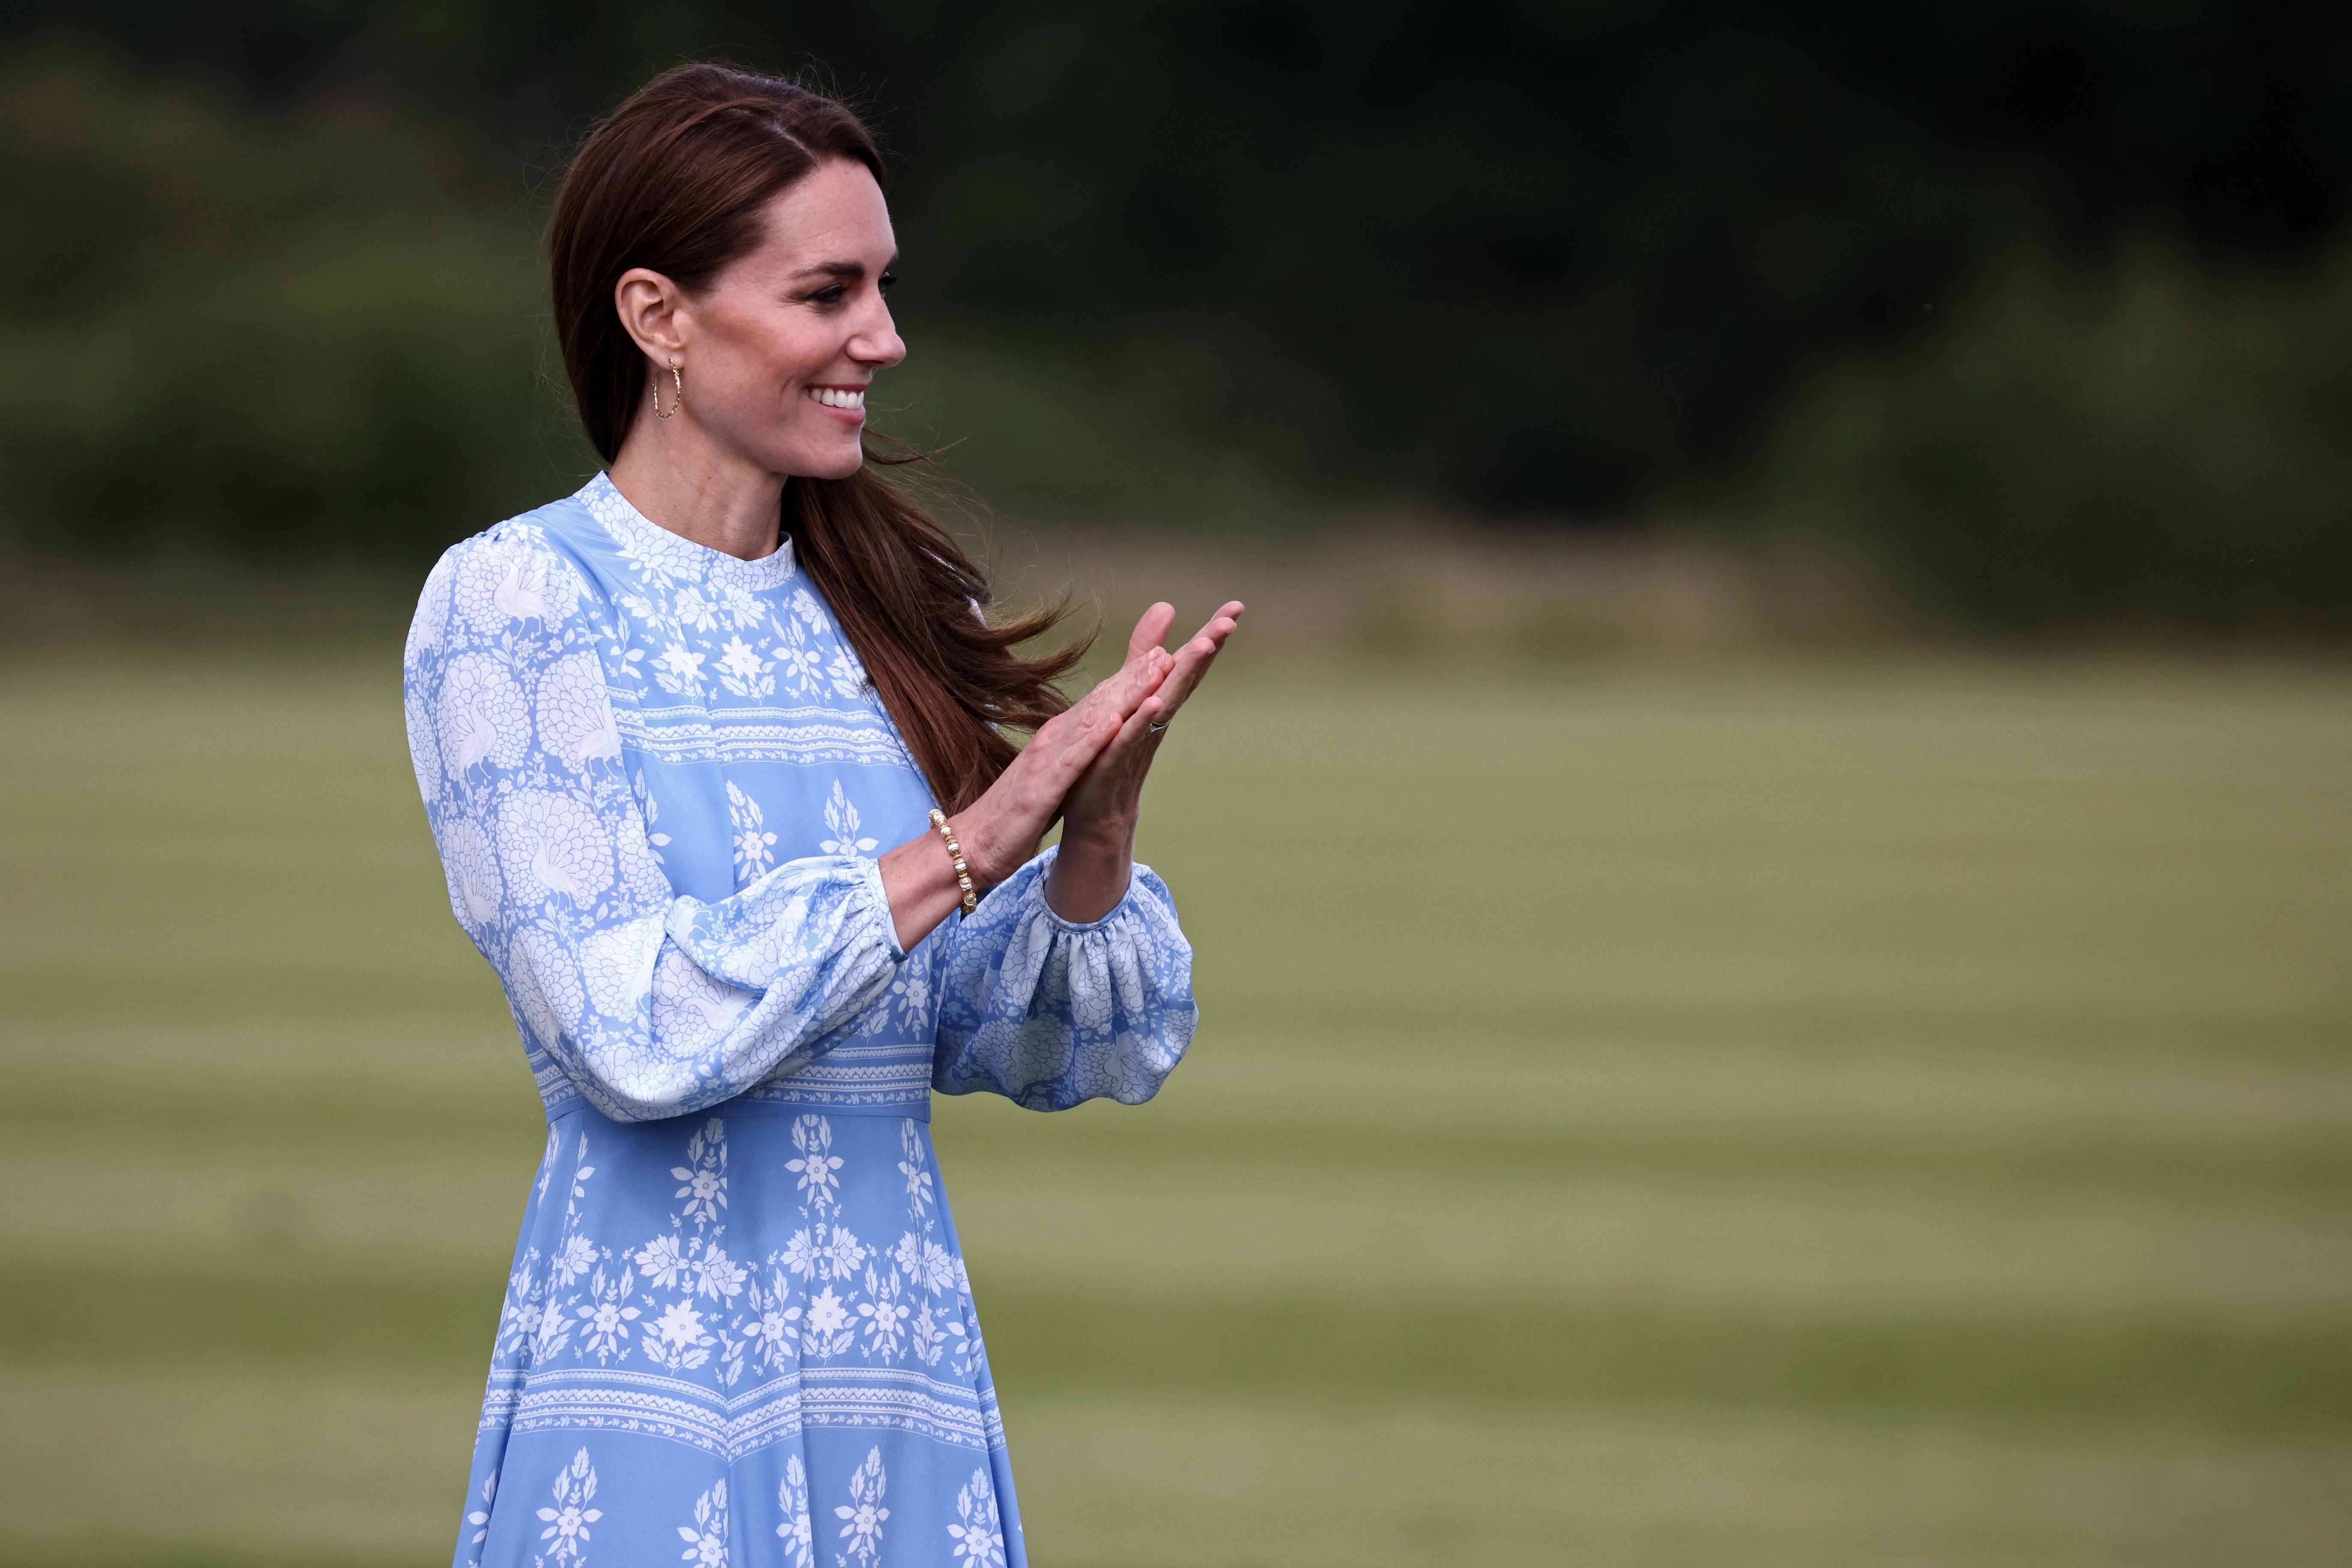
x=991, y=860
x=1099, y=833
x=1090, y=873
x=1099, y=841
x=967, y=890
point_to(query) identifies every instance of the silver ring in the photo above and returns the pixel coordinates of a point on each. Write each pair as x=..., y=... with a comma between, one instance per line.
x=1154, y=729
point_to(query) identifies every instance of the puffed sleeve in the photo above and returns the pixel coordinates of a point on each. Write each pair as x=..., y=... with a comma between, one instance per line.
x=652, y=1003
x=1048, y=1012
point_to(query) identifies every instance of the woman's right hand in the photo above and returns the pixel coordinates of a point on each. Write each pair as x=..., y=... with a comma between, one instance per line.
x=999, y=831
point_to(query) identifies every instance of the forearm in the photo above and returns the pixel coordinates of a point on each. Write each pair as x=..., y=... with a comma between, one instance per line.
x=919, y=882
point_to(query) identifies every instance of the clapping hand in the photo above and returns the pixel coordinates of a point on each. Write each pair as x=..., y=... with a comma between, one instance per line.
x=1089, y=876
x=1086, y=765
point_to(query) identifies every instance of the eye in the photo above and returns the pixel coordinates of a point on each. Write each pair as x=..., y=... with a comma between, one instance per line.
x=888, y=282
x=831, y=294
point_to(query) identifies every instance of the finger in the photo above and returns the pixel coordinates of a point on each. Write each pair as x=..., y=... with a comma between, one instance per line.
x=1151, y=631
x=1073, y=751
x=1095, y=721
x=1121, y=691
x=1193, y=660
x=1132, y=748
x=1133, y=683
x=1221, y=626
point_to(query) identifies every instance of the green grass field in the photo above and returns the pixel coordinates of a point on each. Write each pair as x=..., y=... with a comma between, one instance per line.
x=1649, y=1116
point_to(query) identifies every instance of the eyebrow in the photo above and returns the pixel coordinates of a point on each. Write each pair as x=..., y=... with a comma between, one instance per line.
x=849, y=271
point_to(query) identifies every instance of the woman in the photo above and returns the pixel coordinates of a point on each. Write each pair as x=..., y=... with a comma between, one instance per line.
x=713, y=753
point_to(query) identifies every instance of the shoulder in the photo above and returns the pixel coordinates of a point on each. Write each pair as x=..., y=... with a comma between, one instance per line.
x=528, y=574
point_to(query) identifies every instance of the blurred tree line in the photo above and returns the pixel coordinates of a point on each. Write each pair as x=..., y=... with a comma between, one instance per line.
x=2045, y=305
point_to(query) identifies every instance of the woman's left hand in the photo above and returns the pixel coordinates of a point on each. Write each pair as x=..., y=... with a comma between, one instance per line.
x=1089, y=876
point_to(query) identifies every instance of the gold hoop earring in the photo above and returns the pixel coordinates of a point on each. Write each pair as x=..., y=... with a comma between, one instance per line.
x=677, y=396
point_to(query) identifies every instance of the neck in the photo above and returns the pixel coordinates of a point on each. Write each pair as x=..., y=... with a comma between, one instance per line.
x=683, y=481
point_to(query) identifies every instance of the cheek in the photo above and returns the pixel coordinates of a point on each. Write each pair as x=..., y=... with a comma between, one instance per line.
x=756, y=359
x=796, y=351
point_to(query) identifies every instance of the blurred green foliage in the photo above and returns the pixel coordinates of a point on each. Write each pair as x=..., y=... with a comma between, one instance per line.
x=256, y=336
x=2150, y=450
x=315, y=336
x=273, y=278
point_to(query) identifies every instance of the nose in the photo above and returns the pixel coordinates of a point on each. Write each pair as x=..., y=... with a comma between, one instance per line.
x=876, y=343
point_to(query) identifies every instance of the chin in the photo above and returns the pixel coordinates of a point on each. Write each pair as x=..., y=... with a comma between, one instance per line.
x=836, y=465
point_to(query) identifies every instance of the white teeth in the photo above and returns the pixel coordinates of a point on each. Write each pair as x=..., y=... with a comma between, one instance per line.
x=835, y=397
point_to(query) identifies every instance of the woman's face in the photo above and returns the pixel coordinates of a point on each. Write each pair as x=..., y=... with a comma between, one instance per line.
x=778, y=352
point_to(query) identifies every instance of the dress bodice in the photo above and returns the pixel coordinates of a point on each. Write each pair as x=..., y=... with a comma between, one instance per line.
x=660, y=777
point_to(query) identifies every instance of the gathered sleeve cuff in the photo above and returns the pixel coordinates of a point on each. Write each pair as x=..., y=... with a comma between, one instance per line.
x=691, y=1003
x=1049, y=1011
x=651, y=1004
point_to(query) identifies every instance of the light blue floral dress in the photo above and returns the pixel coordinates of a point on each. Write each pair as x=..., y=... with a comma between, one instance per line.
x=738, y=1330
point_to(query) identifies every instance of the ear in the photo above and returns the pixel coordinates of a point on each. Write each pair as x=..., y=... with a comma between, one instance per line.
x=654, y=313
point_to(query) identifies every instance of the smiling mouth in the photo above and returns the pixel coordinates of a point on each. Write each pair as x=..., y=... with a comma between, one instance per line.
x=838, y=397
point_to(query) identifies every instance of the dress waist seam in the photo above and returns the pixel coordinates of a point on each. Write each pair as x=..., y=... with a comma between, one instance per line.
x=760, y=1105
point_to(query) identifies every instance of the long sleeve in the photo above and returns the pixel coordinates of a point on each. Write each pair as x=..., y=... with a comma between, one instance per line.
x=1048, y=1012
x=652, y=1003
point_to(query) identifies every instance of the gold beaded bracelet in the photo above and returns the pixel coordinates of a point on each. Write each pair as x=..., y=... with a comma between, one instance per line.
x=955, y=853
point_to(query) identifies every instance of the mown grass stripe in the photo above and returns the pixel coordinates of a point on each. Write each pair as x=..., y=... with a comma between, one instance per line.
x=2272, y=1378
x=2304, y=1166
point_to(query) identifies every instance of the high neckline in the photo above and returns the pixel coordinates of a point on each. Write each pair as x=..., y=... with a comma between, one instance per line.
x=674, y=554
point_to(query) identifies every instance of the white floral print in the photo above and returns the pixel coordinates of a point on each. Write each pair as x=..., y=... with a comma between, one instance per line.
x=677, y=1341
x=823, y=1252
x=775, y=1331
x=480, y=1517
x=916, y=1167
x=660, y=1262
x=718, y=1275
x=848, y=675
x=978, y=1542
x=820, y=1187
x=800, y=665
x=568, y=1520
x=692, y=609
x=886, y=1314
x=864, y=1511
x=679, y=670
x=792, y=1501
x=574, y=1256
x=841, y=820
x=926, y=1264
x=742, y=671
x=607, y=1316
x=706, y=1539
x=755, y=848
x=704, y=1173
x=828, y=1325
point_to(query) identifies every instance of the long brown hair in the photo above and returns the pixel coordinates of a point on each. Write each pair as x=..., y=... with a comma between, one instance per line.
x=675, y=180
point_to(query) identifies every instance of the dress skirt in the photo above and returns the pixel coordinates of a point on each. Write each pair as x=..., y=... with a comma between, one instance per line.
x=744, y=1340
